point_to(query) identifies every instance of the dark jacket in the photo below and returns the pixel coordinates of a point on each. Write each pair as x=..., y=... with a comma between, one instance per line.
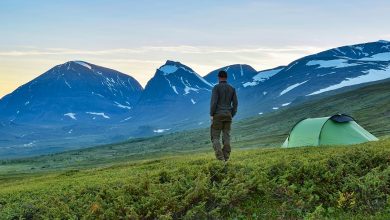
x=223, y=99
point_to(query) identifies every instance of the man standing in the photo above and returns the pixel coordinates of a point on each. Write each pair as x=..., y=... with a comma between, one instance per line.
x=223, y=107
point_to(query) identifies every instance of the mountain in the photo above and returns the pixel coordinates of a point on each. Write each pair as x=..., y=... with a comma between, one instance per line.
x=261, y=76
x=320, y=74
x=73, y=92
x=72, y=105
x=238, y=74
x=175, y=93
x=369, y=105
x=78, y=104
x=172, y=81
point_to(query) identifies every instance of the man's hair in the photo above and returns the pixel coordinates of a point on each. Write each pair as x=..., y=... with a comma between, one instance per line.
x=222, y=74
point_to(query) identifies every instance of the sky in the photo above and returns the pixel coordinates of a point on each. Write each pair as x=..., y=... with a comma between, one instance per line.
x=137, y=37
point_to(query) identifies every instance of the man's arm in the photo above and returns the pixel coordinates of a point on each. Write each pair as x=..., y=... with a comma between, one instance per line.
x=214, y=101
x=235, y=103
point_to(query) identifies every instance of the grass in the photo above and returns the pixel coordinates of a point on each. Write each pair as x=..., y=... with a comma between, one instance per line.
x=322, y=182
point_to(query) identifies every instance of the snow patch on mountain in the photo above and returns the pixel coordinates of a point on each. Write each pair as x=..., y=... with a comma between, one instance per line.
x=66, y=82
x=188, y=87
x=83, y=64
x=290, y=66
x=286, y=104
x=168, y=69
x=370, y=76
x=93, y=93
x=122, y=106
x=262, y=76
x=377, y=57
x=126, y=119
x=102, y=114
x=337, y=63
x=174, y=89
x=31, y=144
x=250, y=84
x=71, y=115
x=288, y=89
x=161, y=130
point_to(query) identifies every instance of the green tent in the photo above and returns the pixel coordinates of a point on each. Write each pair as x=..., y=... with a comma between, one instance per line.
x=335, y=130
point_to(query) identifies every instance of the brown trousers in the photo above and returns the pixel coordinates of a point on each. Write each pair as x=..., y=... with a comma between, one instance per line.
x=221, y=124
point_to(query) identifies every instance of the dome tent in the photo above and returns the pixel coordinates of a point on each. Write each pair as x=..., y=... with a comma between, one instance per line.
x=338, y=129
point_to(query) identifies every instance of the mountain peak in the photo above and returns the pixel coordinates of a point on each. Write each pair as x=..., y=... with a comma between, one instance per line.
x=82, y=63
x=172, y=62
x=75, y=64
x=237, y=74
x=74, y=87
x=172, y=66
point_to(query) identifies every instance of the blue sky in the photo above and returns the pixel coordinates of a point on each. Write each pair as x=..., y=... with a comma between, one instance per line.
x=136, y=37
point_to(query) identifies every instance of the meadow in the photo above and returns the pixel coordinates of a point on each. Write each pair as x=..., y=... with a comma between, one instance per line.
x=315, y=183
x=176, y=176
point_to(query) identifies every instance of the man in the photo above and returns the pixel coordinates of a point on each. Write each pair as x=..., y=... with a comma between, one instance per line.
x=223, y=107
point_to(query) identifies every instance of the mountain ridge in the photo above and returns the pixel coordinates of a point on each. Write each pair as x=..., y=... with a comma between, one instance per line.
x=176, y=98
x=74, y=86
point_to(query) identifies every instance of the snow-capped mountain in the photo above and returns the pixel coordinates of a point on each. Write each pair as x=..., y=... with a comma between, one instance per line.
x=238, y=75
x=73, y=92
x=174, y=80
x=80, y=104
x=174, y=91
x=316, y=74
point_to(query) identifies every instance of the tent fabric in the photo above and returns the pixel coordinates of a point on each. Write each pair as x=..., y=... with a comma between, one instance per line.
x=334, y=130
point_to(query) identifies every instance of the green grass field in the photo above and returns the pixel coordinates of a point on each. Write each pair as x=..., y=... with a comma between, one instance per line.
x=327, y=182
x=175, y=176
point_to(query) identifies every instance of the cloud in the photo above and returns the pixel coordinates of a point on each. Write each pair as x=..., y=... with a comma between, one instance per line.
x=182, y=49
x=385, y=36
